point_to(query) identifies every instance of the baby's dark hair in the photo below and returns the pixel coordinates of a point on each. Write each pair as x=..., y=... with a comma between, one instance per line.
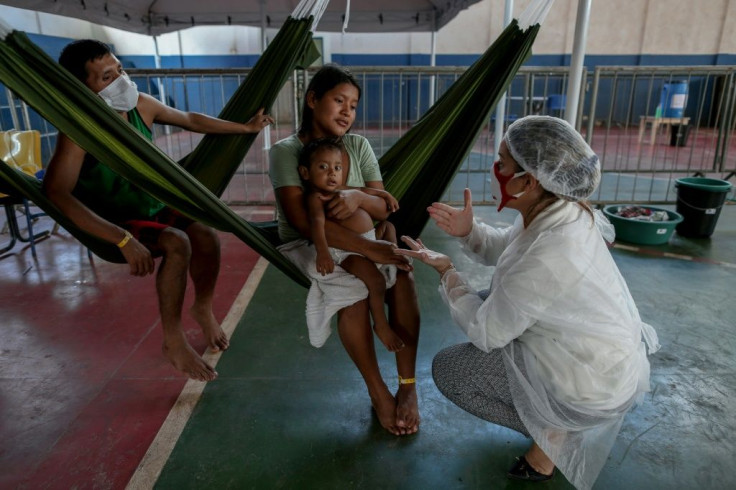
x=305, y=157
x=75, y=55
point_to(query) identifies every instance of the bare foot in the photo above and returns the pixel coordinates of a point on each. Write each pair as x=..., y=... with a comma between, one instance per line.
x=216, y=337
x=388, y=337
x=385, y=407
x=407, y=409
x=179, y=353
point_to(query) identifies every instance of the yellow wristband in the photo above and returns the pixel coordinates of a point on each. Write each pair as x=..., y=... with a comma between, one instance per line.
x=125, y=239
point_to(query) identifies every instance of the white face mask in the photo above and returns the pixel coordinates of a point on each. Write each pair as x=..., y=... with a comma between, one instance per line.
x=121, y=95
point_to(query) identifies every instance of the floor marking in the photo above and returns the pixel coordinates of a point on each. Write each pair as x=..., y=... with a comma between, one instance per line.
x=670, y=255
x=158, y=453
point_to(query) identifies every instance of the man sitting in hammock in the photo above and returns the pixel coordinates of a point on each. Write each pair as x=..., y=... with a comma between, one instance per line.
x=105, y=205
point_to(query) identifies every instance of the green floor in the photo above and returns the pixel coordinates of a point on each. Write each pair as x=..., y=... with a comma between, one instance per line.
x=286, y=415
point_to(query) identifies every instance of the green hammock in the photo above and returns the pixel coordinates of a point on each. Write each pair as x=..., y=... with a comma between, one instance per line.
x=419, y=166
x=416, y=170
x=291, y=47
x=15, y=182
x=90, y=123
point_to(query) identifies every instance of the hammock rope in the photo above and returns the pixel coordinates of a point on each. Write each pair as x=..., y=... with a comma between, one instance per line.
x=416, y=169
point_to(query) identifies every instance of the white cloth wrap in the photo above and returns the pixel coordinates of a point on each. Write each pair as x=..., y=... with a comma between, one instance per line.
x=332, y=292
x=558, y=296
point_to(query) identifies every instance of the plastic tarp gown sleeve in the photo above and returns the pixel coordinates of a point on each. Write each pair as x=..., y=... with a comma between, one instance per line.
x=562, y=313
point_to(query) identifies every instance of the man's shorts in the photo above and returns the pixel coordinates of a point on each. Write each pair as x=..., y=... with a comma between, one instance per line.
x=148, y=231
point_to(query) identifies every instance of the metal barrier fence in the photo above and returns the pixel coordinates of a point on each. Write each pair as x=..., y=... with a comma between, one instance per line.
x=652, y=125
x=645, y=134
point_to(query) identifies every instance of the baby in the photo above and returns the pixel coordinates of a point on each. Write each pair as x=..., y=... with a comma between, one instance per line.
x=321, y=169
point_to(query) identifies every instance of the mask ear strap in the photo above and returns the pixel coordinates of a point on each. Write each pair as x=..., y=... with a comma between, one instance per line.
x=532, y=181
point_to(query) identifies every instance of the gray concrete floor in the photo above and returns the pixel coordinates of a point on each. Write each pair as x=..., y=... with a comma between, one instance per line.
x=286, y=415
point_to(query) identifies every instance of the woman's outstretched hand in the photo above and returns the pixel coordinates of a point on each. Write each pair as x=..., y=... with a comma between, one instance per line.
x=453, y=221
x=440, y=262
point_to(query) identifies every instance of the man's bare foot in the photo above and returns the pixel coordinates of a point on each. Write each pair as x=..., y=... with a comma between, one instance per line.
x=388, y=337
x=385, y=407
x=179, y=353
x=216, y=337
x=407, y=409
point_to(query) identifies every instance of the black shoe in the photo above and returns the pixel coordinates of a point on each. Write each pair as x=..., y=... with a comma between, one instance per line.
x=522, y=470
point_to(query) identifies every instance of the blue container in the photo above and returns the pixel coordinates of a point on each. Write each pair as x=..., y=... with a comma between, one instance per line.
x=673, y=99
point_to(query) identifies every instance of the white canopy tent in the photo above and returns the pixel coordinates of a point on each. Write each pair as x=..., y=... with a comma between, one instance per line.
x=154, y=17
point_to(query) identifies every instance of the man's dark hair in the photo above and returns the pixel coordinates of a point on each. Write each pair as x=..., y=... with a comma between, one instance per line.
x=333, y=143
x=76, y=54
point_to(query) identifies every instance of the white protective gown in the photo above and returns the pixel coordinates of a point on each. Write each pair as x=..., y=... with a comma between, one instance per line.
x=570, y=332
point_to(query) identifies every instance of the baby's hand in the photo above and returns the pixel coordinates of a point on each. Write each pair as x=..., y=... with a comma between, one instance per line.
x=325, y=264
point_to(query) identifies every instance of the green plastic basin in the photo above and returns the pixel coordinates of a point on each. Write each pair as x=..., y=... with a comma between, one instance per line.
x=642, y=232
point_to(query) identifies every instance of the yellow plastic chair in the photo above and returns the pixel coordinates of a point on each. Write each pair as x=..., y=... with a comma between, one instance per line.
x=22, y=150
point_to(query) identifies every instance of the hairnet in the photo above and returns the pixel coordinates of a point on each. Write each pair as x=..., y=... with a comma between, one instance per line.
x=552, y=151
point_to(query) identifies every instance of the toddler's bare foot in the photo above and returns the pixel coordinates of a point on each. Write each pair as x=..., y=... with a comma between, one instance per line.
x=385, y=407
x=216, y=337
x=407, y=409
x=181, y=355
x=388, y=337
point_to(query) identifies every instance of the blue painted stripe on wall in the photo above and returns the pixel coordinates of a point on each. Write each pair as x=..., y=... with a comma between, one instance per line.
x=402, y=59
x=210, y=61
x=137, y=61
x=200, y=61
x=53, y=45
x=726, y=59
x=536, y=60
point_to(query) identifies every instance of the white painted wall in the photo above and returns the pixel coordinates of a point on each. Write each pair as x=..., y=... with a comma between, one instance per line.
x=616, y=27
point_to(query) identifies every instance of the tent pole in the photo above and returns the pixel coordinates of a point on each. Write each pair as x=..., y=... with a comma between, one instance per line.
x=181, y=50
x=576, y=63
x=38, y=23
x=501, y=106
x=264, y=45
x=432, y=61
x=264, y=25
x=157, y=54
x=159, y=80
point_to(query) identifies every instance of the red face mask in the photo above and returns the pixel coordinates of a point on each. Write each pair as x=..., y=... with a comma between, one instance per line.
x=498, y=187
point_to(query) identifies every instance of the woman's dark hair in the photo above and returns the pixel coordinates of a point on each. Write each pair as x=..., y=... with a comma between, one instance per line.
x=332, y=143
x=76, y=54
x=327, y=78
